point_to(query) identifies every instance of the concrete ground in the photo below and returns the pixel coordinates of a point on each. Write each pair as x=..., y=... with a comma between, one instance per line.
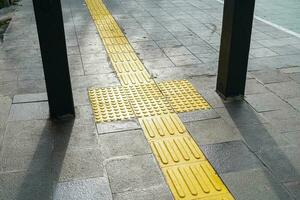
x=253, y=144
x=283, y=13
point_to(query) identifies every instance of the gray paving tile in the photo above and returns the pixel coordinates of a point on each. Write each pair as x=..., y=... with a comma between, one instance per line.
x=25, y=98
x=281, y=89
x=289, y=70
x=158, y=63
x=293, y=137
x=73, y=135
x=230, y=156
x=89, y=189
x=167, y=43
x=254, y=87
x=26, y=185
x=265, y=102
x=262, y=52
x=133, y=173
x=283, y=162
x=293, y=188
x=198, y=115
x=254, y=184
x=176, y=51
x=270, y=76
x=77, y=164
x=185, y=60
x=295, y=77
x=132, y=143
x=26, y=144
x=285, y=120
x=29, y=111
x=156, y=192
x=116, y=126
x=212, y=131
x=5, y=104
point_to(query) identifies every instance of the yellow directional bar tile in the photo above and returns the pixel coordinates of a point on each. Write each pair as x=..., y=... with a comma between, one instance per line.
x=128, y=67
x=183, y=96
x=123, y=48
x=134, y=78
x=115, y=41
x=162, y=126
x=123, y=57
x=110, y=104
x=195, y=181
x=176, y=150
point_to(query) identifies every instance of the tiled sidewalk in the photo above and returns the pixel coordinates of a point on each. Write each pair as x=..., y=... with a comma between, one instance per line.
x=254, y=145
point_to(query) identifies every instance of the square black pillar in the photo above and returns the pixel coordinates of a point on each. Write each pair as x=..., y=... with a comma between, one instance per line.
x=50, y=27
x=235, y=45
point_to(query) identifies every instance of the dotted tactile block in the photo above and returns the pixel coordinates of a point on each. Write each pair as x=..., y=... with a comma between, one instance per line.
x=183, y=96
x=110, y=104
x=147, y=100
x=195, y=181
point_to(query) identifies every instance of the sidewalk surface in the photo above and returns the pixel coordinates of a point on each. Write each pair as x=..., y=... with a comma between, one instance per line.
x=252, y=144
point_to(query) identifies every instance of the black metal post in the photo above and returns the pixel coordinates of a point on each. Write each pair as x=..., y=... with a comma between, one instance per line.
x=50, y=27
x=235, y=45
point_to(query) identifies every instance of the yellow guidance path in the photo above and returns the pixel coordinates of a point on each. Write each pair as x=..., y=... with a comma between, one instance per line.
x=187, y=171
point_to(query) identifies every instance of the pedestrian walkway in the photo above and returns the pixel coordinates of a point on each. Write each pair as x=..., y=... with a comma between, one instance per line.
x=252, y=145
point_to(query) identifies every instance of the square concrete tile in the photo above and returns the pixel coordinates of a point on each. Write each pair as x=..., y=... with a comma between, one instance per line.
x=116, y=126
x=124, y=143
x=88, y=189
x=265, y=102
x=26, y=144
x=254, y=184
x=26, y=185
x=283, y=162
x=294, y=102
x=198, y=115
x=270, y=76
x=29, y=111
x=293, y=188
x=185, y=60
x=285, y=90
x=77, y=164
x=133, y=173
x=212, y=131
x=156, y=192
x=231, y=156
x=25, y=98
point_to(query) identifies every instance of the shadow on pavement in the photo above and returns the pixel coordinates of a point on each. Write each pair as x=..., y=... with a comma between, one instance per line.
x=260, y=141
x=44, y=169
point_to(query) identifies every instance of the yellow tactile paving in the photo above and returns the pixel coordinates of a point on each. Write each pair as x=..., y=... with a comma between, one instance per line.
x=195, y=181
x=110, y=104
x=188, y=173
x=162, y=126
x=176, y=150
x=183, y=96
x=135, y=78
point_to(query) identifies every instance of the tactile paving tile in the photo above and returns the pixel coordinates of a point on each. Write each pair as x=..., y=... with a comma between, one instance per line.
x=162, y=126
x=128, y=67
x=135, y=78
x=110, y=104
x=183, y=96
x=195, y=181
x=188, y=173
x=146, y=100
x=176, y=150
